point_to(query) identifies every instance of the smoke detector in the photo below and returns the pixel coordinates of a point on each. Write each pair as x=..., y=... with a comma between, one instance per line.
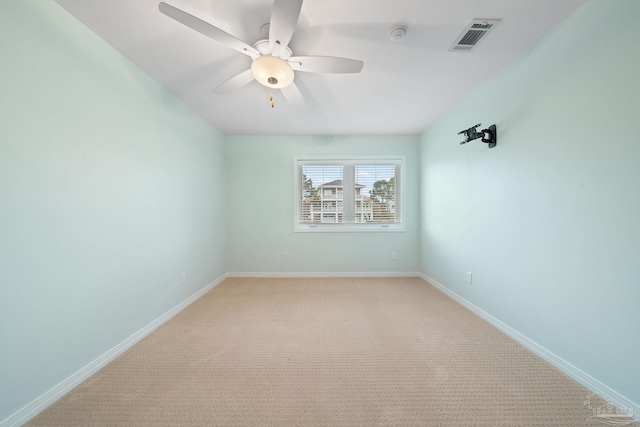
x=398, y=33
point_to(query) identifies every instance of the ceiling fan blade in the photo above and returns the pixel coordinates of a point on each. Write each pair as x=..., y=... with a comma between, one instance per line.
x=292, y=94
x=235, y=82
x=325, y=64
x=208, y=30
x=284, y=17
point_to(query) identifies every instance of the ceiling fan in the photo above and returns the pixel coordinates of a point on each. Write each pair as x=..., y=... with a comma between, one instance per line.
x=273, y=63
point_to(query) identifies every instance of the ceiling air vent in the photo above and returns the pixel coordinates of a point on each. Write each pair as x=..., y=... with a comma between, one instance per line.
x=472, y=34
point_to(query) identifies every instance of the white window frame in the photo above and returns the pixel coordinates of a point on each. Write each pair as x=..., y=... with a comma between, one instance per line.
x=350, y=162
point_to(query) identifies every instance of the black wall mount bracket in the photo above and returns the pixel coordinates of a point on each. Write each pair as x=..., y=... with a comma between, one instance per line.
x=488, y=135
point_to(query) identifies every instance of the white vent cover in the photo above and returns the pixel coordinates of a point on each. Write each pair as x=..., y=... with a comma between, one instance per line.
x=472, y=34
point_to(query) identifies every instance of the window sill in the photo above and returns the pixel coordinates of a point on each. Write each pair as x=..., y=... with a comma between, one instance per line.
x=348, y=228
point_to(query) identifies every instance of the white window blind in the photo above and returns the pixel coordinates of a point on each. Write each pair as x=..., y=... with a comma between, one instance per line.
x=356, y=194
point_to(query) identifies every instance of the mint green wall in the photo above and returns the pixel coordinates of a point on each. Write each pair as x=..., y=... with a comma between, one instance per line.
x=109, y=189
x=260, y=177
x=548, y=222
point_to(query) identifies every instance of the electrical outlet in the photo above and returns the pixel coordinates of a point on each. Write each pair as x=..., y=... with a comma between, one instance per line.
x=183, y=278
x=287, y=256
x=394, y=255
x=469, y=277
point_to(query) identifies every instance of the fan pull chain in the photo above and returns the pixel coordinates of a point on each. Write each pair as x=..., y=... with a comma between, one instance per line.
x=271, y=99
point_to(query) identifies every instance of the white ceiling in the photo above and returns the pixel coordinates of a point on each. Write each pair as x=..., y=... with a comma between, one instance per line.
x=403, y=87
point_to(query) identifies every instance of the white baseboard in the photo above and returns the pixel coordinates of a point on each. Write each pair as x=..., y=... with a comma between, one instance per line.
x=567, y=368
x=290, y=274
x=48, y=398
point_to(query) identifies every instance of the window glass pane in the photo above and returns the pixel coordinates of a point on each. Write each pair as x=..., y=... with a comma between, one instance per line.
x=322, y=194
x=375, y=193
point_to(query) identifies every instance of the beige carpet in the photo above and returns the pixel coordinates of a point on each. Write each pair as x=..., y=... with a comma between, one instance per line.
x=324, y=352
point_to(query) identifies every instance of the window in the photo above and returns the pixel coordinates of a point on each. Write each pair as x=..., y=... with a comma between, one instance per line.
x=348, y=194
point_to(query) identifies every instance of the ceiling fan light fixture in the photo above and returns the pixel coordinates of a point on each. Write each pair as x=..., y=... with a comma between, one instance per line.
x=271, y=71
